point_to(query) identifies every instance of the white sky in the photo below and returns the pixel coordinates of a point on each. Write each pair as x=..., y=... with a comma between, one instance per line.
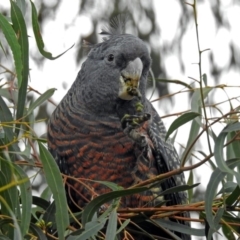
x=64, y=69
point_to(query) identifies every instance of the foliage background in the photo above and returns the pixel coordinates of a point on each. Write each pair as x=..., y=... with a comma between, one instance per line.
x=22, y=148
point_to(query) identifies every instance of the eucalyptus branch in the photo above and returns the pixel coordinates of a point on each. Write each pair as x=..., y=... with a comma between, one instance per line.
x=200, y=73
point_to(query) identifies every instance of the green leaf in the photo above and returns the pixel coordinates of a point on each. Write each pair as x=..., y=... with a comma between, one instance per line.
x=38, y=36
x=196, y=102
x=228, y=187
x=180, y=227
x=216, y=178
x=181, y=121
x=26, y=200
x=40, y=202
x=7, y=197
x=111, y=185
x=21, y=30
x=124, y=224
x=1, y=46
x=9, y=95
x=235, y=147
x=228, y=230
x=218, y=216
x=22, y=6
x=41, y=99
x=7, y=125
x=13, y=44
x=11, y=193
x=233, y=197
x=15, y=232
x=55, y=182
x=232, y=127
x=6, y=119
x=2, y=237
x=112, y=226
x=178, y=189
x=204, y=77
x=46, y=194
x=190, y=182
x=192, y=136
x=37, y=232
x=49, y=214
x=228, y=233
x=91, y=229
x=174, y=81
x=218, y=152
x=97, y=202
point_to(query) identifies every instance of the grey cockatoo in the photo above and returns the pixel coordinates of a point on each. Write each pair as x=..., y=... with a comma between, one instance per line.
x=106, y=129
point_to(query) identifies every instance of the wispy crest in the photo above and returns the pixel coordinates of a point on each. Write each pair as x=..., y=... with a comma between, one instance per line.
x=116, y=25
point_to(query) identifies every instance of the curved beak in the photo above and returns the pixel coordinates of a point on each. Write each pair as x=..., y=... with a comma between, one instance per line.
x=129, y=80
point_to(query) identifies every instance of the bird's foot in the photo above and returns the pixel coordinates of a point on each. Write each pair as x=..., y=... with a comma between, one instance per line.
x=134, y=121
x=130, y=123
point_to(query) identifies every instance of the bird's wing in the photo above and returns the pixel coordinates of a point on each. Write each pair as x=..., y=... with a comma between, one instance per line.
x=166, y=158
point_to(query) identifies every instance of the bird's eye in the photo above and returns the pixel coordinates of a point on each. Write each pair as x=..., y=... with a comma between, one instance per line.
x=110, y=57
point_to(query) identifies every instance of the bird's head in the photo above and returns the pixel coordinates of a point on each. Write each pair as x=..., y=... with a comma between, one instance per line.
x=115, y=69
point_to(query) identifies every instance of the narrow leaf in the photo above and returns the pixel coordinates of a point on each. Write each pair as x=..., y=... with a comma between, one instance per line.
x=175, y=81
x=97, y=202
x=26, y=200
x=91, y=230
x=2, y=237
x=204, y=77
x=216, y=177
x=20, y=29
x=192, y=136
x=228, y=187
x=9, y=95
x=218, y=216
x=228, y=233
x=22, y=6
x=37, y=232
x=233, y=197
x=112, y=226
x=55, y=182
x=41, y=99
x=196, y=99
x=1, y=46
x=111, y=185
x=13, y=44
x=178, y=189
x=17, y=231
x=125, y=223
x=232, y=127
x=38, y=36
x=40, y=202
x=6, y=117
x=181, y=121
x=180, y=227
x=190, y=182
x=218, y=153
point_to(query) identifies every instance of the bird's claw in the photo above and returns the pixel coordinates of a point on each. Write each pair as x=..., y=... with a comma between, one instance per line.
x=134, y=121
x=130, y=123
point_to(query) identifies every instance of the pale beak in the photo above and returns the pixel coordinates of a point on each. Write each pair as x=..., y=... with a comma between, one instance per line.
x=129, y=80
